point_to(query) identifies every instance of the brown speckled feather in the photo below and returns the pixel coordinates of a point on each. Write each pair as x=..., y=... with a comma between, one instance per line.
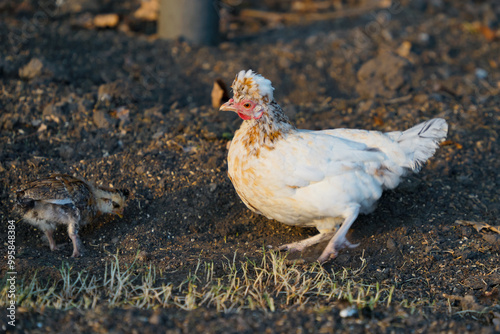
x=57, y=186
x=60, y=187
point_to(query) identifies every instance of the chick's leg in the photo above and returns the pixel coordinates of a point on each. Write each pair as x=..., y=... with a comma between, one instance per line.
x=339, y=241
x=73, y=234
x=299, y=246
x=50, y=237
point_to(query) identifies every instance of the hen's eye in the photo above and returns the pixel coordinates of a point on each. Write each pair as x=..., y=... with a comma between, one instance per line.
x=116, y=205
x=247, y=105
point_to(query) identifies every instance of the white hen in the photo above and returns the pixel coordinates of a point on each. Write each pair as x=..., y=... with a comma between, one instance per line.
x=316, y=178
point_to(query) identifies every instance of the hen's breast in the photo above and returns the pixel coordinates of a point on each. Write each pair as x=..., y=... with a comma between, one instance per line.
x=256, y=177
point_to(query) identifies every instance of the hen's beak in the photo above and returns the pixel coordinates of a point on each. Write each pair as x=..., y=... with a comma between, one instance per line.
x=228, y=106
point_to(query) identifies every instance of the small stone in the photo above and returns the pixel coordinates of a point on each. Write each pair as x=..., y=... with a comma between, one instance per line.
x=36, y=122
x=421, y=98
x=66, y=152
x=311, y=40
x=143, y=256
x=492, y=239
x=158, y=135
x=155, y=319
x=113, y=90
x=101, y=119
x=348, y=312
x=53, y=112
x=31, y=70
x=423, y=37
x=481, y=74
x=382, y=76
x=366, y=106
x=212, y=187
x=139, y=170
x=390, y=244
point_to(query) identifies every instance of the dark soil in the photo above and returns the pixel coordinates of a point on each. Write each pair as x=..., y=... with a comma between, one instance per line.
x=128, y=109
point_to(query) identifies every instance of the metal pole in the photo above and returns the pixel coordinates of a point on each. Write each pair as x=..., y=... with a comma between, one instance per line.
x=194, y=20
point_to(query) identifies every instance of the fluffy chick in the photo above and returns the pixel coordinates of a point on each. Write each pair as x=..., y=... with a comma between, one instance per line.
x=67, y=200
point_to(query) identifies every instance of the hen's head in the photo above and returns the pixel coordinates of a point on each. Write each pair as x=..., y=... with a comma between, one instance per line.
x=251, y=95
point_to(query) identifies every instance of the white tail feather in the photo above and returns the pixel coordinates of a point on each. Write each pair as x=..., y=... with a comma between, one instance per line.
x=421, y=141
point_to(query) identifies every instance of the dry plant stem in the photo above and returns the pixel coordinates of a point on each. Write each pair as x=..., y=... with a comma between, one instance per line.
x=269, y=285
x=309, y=17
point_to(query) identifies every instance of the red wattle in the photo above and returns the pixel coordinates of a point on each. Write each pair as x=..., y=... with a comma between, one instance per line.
x=243, y=116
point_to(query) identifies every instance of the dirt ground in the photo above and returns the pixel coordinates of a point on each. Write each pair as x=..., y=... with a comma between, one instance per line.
x=119, y=106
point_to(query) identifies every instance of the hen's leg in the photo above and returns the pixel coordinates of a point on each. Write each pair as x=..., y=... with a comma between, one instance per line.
x=50, y=237
x=339, y=240
x=299, y=246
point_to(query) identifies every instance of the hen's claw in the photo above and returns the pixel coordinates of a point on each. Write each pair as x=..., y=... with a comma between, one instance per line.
x=292, y=247
x=299, y=246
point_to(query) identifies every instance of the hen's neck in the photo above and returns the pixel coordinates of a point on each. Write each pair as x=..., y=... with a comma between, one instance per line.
x=266, y=131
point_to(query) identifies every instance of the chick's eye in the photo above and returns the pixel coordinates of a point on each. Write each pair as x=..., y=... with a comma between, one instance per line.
x=116, y=205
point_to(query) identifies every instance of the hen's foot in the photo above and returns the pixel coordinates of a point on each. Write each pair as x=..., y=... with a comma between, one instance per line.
x=339, y=241
x=299, y=246
x=333, y=248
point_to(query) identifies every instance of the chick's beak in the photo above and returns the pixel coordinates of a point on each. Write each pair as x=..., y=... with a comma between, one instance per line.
x=118, y=212
x=228, y=106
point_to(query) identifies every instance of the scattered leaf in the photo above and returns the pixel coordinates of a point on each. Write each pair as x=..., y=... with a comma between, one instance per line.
x=220, y=93
x=42, y=128
x=487, y=32
x=451, y=142
x=148, y=11
x=106, y=20
x=378, y=121
x=479, y=28
x=404, y=49
x=478, y=225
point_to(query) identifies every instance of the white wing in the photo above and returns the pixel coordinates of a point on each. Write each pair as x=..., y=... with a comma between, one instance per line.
x=310, y=157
